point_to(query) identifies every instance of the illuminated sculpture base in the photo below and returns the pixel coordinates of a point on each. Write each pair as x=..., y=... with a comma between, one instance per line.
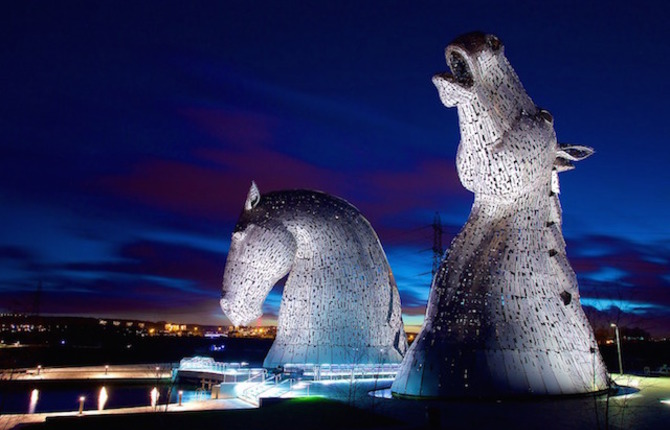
x=287, y=352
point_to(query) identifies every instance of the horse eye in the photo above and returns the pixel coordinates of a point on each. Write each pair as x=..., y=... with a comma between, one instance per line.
x=545, y=115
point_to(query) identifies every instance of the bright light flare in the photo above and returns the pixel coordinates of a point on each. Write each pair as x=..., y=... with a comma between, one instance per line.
x=34, y=396
x=154, y=397
x=102, y=398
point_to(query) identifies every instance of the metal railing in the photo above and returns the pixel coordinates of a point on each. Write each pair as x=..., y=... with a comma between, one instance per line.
x=225, y=372
x=320, y=372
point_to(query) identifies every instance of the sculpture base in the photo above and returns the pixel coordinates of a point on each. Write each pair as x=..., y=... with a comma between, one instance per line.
x=514, y=397
x=279, y=355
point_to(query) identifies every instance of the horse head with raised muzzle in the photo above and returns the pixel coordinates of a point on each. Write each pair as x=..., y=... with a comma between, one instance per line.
x=508, y=145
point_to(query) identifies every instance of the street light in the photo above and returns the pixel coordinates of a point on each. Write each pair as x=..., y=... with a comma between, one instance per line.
x=82, y=399
x=618, y=347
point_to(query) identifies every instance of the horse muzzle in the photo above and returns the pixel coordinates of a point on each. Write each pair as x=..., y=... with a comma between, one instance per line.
x=239, y=314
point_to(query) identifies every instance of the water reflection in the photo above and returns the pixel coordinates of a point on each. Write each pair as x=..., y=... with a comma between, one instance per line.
x=102, y=398
x=34, y=396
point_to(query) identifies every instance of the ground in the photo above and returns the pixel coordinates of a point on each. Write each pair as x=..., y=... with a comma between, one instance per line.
x=343, y=405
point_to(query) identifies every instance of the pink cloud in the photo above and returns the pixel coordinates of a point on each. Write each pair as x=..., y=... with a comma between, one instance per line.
x=214, y=184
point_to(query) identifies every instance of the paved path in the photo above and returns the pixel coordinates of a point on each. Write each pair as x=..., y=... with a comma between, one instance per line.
x=10, y=421
x=133, y=371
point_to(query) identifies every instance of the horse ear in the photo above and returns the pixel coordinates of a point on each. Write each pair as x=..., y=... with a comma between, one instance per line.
x=567, y=153
x=253, y=197
x=573, y=152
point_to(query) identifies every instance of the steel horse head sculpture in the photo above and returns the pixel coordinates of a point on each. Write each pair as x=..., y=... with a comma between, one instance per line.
x=504, y=316
x=340, y=303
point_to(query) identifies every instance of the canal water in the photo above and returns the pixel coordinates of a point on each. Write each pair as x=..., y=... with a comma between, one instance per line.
x=54, y=396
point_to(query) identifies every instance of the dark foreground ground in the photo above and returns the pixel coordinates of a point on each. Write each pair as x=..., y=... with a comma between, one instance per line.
x=350, y=407
x=354, y=408
x=307, y=414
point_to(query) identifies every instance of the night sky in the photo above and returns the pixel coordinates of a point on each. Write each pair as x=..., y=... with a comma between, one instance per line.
x=131, y=134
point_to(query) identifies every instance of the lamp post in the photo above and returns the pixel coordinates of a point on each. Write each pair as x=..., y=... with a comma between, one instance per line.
x=618, y=347
x=81, y=404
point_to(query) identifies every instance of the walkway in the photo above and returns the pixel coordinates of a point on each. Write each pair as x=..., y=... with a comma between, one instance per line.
x=131, y=371
x=12, y=420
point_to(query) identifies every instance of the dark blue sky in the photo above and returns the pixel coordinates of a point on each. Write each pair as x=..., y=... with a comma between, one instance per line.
x=131, y=134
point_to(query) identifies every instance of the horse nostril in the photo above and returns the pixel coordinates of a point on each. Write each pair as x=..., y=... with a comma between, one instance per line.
x=225, y=306
x=239, y=313
x=460, y=69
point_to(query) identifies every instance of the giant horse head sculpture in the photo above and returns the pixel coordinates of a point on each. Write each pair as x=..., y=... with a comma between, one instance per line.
x=340, y=302
x=503, y=316
x=508, y=145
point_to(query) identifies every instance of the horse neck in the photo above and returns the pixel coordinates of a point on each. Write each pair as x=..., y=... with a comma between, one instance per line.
x=528, y=211
x=324, y=237
x=476, y=125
